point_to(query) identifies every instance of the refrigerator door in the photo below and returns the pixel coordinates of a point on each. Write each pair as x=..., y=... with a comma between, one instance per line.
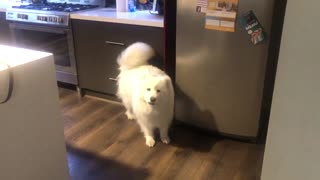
x=220, y=75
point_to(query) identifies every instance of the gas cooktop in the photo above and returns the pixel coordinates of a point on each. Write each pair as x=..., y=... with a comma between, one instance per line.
x=62, y=7
x=45, y=13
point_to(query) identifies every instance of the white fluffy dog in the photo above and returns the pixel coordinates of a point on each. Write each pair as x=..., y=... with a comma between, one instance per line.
x=146, y=92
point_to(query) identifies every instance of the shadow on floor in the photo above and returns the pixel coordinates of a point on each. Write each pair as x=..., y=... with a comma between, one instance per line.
x=85, y=165
x=189, y=138
x=184, y=136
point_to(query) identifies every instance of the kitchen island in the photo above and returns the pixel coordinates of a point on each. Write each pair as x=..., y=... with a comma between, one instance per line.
x=95, y=38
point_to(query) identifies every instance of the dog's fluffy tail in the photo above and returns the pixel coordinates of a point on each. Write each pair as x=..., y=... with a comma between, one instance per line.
x=135, y=55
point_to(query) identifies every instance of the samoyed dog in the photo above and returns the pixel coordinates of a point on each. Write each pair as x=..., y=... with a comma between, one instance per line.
x=146, y=92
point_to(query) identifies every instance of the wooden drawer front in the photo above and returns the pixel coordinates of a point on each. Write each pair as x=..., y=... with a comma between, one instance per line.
x=98, y=45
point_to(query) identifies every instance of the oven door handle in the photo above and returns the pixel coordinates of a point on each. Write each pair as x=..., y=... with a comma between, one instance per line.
x=30, y=27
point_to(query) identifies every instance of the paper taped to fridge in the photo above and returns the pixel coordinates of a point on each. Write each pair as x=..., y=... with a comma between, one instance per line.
x=221, y=15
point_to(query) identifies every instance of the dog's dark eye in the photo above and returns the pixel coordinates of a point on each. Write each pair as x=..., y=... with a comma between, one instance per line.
x=148, y=89
x=158, y=91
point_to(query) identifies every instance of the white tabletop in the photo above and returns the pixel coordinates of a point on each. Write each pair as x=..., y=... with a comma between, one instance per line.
x=14, y=56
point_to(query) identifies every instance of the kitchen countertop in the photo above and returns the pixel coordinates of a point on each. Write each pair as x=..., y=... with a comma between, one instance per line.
x=143, y=18
x=3, y=7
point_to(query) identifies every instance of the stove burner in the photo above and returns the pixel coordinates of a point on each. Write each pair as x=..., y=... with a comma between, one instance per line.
x=64, y=7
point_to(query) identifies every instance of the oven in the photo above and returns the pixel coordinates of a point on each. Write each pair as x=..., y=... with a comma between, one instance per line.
x=57, y=40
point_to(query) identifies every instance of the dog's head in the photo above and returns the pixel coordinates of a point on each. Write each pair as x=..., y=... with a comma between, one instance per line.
x=155, y=89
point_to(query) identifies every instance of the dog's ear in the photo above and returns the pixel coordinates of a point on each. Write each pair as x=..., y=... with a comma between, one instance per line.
x=168, y=83
x=167, y=80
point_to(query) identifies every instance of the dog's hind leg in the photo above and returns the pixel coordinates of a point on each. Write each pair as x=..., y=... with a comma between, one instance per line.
x=164, y=135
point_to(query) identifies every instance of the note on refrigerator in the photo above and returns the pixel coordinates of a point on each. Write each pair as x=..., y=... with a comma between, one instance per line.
x=201, y=6
x=221, y=15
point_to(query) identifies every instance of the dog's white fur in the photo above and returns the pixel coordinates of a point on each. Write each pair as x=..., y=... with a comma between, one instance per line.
x=146, y=92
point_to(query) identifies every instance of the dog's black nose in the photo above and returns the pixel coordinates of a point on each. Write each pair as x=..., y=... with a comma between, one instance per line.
x=153, y=99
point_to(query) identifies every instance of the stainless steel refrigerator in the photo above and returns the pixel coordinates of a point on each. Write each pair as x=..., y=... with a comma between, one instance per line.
x=220, y=75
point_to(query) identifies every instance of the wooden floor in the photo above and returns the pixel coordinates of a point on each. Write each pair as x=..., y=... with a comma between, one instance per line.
x=102, y=144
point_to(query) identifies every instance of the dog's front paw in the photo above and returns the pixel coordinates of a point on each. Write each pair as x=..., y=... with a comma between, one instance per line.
x=150, y=142
x=165, y=140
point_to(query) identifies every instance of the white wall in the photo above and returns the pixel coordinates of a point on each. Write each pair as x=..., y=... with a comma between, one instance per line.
x=293, y=142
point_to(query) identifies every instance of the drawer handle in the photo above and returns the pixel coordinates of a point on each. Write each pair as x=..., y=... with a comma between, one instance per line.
x=113, y=79
x=115, y=43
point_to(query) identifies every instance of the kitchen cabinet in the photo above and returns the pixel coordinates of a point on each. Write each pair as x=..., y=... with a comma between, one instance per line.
x=5, y=35
x=97, y=46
